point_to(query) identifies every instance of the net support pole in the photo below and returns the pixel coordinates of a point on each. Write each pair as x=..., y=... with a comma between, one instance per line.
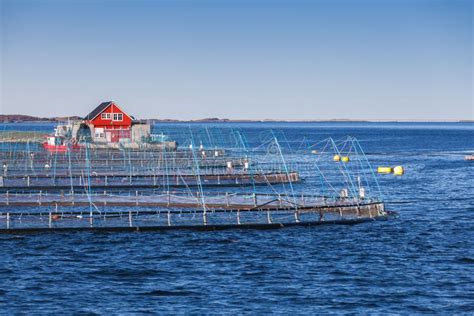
x=204, y=217
x=297, y=216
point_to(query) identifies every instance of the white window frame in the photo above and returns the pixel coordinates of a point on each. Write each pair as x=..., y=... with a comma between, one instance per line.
x=105, y=116
x=118, y=117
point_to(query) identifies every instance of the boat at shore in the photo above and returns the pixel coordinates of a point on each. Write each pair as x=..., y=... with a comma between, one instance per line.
x=57, y=143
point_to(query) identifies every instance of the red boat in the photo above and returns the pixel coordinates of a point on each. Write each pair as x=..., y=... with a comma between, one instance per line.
x=59, y=144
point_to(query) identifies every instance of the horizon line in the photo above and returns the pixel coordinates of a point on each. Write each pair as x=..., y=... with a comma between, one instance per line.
x=227, y=120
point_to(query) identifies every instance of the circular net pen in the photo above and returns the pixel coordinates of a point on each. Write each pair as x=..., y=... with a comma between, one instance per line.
x=215, y=179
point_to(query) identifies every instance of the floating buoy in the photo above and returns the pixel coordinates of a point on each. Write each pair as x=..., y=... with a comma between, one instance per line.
x=384, y=169
x=314, y=152
x=345, y=159
x=336, y=158
x=398, y=171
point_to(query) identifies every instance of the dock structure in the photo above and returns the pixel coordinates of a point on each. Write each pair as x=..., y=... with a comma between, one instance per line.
x=215, y=179
x=113, y=181
x=53, y=215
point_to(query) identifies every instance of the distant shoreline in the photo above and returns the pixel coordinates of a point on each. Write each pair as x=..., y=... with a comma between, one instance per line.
x=19, y=118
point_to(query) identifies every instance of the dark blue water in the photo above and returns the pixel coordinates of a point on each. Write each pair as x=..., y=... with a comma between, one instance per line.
x=422, y=262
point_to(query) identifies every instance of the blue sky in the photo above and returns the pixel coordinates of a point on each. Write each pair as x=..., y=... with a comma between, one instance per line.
x=386, y=59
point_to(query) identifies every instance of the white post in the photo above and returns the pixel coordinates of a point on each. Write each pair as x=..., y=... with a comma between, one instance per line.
x=297, y=217
x=204, y=217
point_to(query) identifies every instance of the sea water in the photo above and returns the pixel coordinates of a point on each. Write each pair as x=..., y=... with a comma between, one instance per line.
x=421, y=262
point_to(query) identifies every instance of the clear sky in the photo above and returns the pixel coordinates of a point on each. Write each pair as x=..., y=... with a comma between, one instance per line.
x=384, y=59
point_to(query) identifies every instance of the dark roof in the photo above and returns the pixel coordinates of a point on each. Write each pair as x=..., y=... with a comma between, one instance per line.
x=98, y=110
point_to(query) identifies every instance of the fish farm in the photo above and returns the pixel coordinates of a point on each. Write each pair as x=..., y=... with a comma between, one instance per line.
x=210, y=179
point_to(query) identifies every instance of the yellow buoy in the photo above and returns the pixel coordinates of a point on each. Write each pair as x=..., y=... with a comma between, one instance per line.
x=345, y=159
x=398, y=171
x=336, y=158
x=384, y=169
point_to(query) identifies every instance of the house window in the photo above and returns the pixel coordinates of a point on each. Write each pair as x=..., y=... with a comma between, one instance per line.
x=105, y=116
x=99, y=133
x=118, y=117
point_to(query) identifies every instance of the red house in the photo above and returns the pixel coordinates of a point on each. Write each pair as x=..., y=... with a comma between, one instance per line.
x=109, y=122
